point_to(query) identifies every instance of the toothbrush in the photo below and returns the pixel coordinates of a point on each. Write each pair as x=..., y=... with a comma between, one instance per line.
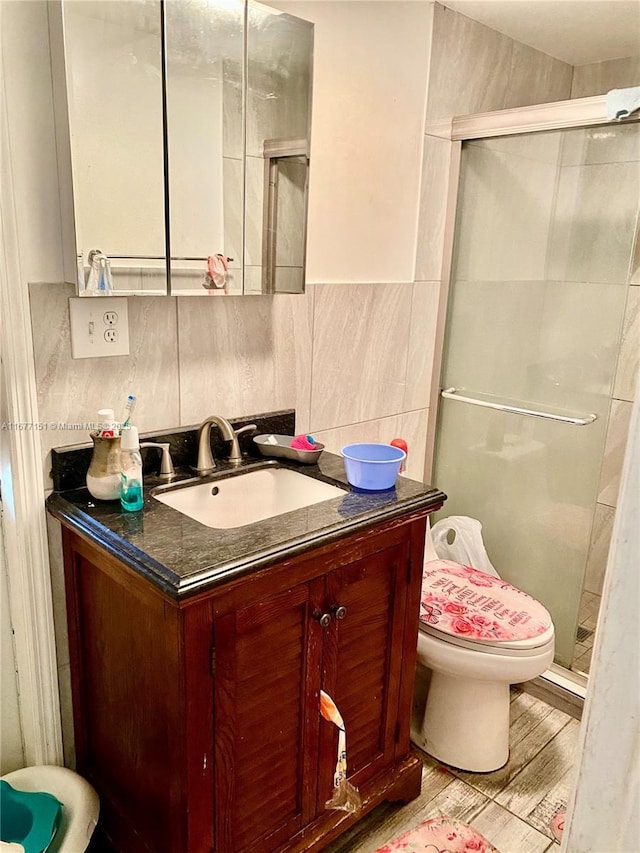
x=128, y=410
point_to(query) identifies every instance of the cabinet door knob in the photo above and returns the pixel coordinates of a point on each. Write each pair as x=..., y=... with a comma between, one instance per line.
x=339, y=611
x=323, y=618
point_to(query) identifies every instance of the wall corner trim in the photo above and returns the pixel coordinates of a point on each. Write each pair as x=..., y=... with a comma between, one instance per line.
x=24, y=528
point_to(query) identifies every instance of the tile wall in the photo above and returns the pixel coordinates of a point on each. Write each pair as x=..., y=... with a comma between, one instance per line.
x=475, y=69
x=599, y=77
x=189, y=358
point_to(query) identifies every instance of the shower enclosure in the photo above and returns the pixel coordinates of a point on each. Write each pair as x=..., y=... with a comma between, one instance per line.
x=541, y=270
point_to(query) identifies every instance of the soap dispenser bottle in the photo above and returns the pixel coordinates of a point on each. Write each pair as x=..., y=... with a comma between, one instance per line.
x=131, y=474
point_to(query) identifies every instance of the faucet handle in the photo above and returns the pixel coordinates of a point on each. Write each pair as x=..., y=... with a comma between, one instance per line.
x=245, y=428
x=234, y=454
x=167, y=471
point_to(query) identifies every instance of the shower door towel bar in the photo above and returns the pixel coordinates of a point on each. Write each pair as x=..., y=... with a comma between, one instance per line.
x=156, y=258
x=452, y=394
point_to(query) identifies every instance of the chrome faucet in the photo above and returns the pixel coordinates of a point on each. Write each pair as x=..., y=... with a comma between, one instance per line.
x=206, y=463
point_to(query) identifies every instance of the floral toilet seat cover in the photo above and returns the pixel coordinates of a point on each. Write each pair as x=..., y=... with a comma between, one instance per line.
x=473, y=605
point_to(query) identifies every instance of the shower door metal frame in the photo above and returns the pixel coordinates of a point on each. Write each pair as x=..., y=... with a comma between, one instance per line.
x=560, y=115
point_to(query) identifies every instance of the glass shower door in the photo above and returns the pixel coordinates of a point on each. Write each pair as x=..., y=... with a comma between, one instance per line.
x=544, y=237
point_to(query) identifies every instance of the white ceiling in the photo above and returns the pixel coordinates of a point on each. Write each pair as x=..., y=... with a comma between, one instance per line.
x=575, y=31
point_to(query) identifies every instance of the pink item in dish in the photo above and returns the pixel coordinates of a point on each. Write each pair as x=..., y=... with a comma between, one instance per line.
x=303, y=442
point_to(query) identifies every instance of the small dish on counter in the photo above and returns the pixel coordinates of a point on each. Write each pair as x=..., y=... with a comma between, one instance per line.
x=280, y=446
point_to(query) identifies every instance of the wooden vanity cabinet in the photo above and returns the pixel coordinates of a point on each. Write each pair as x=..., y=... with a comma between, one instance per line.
x=198, y=721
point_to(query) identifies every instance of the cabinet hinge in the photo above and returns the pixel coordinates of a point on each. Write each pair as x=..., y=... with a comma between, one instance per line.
x=397, y=732
x=213, y=660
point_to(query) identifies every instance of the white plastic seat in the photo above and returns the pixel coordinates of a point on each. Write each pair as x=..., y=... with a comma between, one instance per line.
x=80, y=805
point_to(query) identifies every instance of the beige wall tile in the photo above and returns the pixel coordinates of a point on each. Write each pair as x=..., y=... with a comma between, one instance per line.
x=72, y=390
x=293, y=316
x=634, y=273
x=237, y=356
x=470, y=66
x=599, y=77
x=536, y=78
x=242, y=356
x=477, y=69
x=422, y=331
x=627, y=371
x=616, y=443
x=412, y=426
x=66, y=716
x=360, y=346
x=56, y=568
x=599, y=548
x=433, y=201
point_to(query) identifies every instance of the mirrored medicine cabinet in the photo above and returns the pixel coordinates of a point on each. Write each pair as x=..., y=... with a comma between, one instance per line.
x=187, y=143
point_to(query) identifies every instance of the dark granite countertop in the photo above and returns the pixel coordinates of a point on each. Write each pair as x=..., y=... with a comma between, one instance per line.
x=182, y=556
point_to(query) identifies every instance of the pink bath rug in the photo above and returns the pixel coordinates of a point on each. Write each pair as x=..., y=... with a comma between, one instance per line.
x=557, y=824
x=439, y=835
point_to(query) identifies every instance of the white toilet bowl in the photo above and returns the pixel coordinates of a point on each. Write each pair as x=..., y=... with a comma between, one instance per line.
x=80, y=805
x=478, y=635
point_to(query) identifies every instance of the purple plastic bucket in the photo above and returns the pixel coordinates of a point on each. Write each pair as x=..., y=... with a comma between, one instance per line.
x=373, y=467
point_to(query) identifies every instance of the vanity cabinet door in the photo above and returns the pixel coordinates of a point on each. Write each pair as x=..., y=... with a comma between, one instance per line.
x=267, y=668
x=362, y=663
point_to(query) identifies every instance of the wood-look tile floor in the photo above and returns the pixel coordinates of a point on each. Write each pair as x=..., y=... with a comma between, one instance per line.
x=511, y=807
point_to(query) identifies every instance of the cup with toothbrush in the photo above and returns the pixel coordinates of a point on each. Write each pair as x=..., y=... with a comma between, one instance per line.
x=103, y=477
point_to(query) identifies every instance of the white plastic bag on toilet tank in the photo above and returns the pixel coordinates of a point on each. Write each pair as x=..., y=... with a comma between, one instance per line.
x=459, y=538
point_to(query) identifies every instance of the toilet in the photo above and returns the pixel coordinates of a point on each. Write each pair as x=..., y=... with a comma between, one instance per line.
x=478, y=635
x=80, y=805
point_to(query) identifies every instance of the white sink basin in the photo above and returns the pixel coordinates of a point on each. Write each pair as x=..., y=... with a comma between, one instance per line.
x=246, y=498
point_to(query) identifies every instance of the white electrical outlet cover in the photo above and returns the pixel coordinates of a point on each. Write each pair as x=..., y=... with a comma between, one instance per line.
x=99, y=326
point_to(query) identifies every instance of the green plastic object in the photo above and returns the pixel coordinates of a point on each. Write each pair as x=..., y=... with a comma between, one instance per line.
x=29, y=818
